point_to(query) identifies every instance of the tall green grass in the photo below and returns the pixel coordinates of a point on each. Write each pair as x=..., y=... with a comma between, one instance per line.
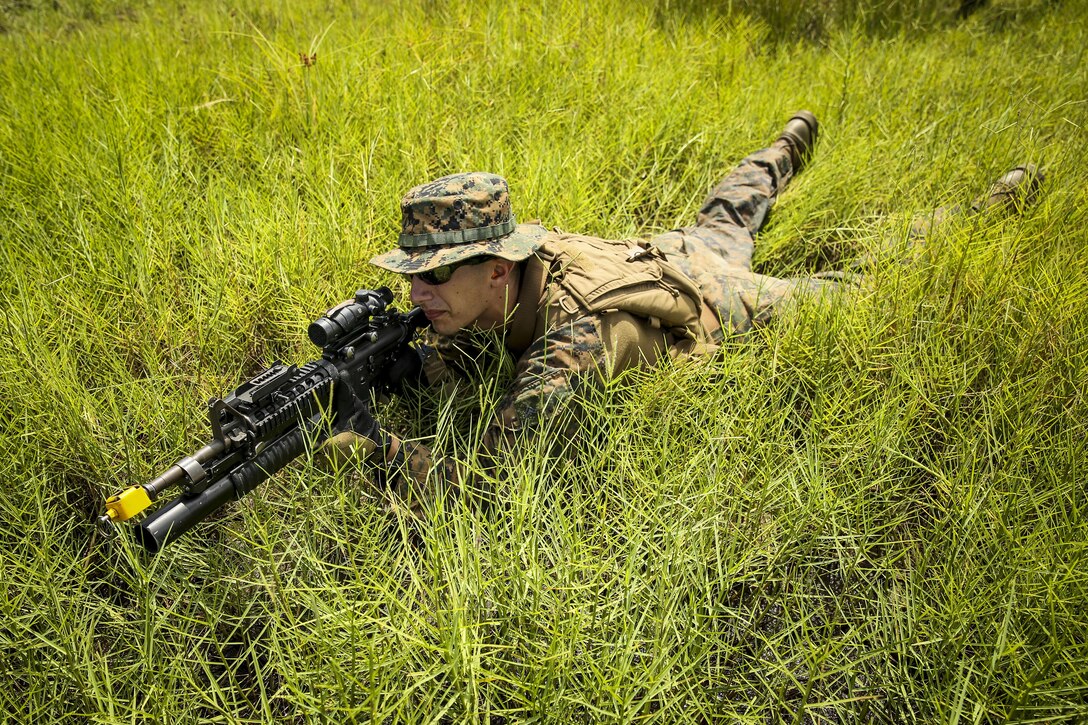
x=872, y=511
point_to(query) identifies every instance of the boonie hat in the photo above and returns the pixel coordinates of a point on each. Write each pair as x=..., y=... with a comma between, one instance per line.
x=457, y=217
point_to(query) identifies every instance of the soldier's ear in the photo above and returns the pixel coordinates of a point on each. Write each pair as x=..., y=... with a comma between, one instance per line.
x=501, y=270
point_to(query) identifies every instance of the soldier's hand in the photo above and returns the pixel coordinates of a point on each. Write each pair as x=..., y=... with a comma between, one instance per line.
x=361, y=442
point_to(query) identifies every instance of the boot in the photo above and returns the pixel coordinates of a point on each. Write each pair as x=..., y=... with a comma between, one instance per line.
x=1015, y=190
x=799, y=136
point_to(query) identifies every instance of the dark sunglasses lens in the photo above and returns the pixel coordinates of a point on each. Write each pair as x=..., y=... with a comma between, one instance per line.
x=438, y=275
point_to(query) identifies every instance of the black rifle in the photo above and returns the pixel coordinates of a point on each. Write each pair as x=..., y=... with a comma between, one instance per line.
x=266, y=422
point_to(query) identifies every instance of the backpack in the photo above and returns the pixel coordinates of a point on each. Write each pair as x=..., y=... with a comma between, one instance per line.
x=591, y=276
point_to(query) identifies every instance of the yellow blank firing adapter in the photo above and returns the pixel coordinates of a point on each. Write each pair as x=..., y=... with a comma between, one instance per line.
x=127, y=504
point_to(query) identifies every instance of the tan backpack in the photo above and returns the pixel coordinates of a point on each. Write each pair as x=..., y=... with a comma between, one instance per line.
x=601, y=275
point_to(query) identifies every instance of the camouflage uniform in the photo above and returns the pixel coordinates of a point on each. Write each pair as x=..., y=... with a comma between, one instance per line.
x=557, y=350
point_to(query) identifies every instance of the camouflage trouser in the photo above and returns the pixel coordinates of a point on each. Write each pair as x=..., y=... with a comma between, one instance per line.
x=717, y=251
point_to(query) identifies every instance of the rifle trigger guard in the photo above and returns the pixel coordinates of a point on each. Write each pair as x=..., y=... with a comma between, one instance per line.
x=349, y=393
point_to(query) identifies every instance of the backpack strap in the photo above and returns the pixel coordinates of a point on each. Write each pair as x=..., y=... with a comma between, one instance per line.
x=525, y=325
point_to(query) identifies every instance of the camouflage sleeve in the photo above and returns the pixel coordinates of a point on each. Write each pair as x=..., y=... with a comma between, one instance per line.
x=539, y=404
x=447, y=359
x=546, y=379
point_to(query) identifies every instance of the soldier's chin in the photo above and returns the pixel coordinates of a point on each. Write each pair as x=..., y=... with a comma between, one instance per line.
x=442, y=324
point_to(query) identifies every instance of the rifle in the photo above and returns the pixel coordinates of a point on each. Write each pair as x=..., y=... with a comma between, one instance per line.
x=266, y=422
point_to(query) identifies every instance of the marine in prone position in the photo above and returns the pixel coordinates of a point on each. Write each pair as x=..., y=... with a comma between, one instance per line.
x=573, y=310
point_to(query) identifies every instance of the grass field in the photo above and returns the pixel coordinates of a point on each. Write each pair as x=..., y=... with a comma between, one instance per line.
x=871, y=511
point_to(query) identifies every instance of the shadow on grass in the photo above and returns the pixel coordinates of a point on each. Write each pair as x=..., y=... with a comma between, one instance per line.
x=790, y=21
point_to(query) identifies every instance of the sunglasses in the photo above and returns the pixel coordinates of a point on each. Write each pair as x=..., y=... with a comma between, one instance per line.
x=442, y=275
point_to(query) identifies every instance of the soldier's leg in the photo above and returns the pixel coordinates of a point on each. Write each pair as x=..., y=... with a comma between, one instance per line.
x=1012, y=192
x=717, y=251
x=742, y=298
x=736, y=209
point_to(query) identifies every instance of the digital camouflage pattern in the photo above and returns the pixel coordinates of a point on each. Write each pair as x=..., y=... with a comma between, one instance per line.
x=459, y=201
x=457, y=217
x=717, y=252
x=542, y=396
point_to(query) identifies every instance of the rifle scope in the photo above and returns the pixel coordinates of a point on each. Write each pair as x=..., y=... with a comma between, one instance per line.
x=349, y=317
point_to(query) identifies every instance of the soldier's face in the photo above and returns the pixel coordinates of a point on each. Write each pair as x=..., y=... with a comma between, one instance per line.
x=474, y=297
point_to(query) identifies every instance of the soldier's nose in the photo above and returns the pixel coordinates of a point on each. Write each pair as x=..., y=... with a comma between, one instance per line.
x=421, y=291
